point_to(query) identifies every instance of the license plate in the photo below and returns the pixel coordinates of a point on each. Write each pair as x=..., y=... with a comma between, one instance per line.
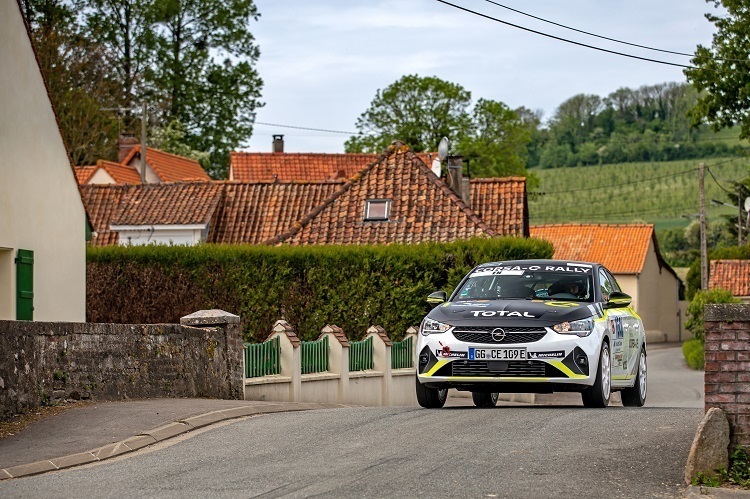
x=497, y=354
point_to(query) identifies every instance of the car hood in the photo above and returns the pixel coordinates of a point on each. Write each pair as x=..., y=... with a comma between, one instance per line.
x=518, y=313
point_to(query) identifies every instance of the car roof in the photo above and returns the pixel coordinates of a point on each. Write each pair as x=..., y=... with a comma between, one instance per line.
x=557, y=263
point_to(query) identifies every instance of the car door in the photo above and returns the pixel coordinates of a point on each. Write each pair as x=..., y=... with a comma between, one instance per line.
x=616, y=324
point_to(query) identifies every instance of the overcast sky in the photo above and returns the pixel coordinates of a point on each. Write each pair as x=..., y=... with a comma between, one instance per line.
x=322, y=61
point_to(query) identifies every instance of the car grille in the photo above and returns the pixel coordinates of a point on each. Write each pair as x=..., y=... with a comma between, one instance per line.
x=482, y=334
x=516, y=368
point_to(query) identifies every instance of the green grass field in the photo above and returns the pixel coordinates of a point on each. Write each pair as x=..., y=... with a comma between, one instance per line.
x=665, y=194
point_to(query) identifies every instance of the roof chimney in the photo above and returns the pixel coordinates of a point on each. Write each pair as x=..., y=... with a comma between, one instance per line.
x=455, y=174
x=125, y=144
x=278, y=143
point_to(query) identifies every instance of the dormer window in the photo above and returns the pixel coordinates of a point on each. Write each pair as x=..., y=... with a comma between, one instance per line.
x=377, y=209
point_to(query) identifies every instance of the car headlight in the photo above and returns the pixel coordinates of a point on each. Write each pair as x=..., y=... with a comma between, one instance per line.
x=580, y=328
x=430, y=326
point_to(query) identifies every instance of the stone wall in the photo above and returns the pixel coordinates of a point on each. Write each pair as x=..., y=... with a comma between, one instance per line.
x=727, y=371
x=45, y=362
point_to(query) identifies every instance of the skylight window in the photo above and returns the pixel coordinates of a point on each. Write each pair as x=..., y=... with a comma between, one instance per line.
x=377, y=209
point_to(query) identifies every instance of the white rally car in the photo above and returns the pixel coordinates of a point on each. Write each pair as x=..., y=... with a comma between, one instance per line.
x=532, y=326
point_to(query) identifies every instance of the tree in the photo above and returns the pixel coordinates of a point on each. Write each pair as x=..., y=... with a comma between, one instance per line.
x=206, y=77
x=416, y=110
x=77, y=76
x=720, y=72
x=496, y=146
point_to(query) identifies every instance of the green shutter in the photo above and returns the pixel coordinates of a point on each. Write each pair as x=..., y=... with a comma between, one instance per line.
x=25, y=285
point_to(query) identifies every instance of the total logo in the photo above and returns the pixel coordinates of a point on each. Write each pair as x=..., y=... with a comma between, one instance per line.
x=500, y=313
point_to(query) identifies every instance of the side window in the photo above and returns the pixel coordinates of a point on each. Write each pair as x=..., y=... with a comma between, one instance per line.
x=615, y=286
x=606, y=284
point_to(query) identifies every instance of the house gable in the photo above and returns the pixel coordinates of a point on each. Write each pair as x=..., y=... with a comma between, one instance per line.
x=165, y=167
x=422, y=208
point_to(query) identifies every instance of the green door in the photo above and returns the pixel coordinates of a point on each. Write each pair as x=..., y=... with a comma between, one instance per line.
x=25, y=285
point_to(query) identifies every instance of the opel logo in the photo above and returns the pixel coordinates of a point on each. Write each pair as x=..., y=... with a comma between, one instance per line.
x=498, y=335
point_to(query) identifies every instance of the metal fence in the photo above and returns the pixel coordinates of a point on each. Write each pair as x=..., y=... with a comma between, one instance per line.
x=360, y=355
x=315, y=356
x=402, y=354
x=262, y=359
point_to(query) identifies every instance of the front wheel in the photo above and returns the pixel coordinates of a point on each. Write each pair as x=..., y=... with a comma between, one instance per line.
x=598, y=394
x=636, y=396
x=483, y=399
x=431, y=398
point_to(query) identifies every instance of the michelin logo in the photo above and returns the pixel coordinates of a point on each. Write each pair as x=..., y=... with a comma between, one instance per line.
x=547, y=355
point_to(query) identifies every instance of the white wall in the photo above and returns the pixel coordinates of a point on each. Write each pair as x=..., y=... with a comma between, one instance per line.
x=159, y=235
x=40, y=206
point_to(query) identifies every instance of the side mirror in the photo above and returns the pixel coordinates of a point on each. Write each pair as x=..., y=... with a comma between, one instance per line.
x=618, y=300
x=437, y=297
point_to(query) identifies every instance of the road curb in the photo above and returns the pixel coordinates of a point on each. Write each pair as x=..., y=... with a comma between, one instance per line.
x=150, y=437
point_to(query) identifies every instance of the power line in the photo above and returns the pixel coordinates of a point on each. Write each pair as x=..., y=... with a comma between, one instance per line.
x=309, y=128
x=612, y=39
x=586, y=32
x=565, y=39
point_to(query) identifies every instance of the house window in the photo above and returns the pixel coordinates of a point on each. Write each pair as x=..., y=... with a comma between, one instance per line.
x=377, y=209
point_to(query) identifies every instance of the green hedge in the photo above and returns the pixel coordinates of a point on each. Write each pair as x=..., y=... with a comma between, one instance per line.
x=353, y=287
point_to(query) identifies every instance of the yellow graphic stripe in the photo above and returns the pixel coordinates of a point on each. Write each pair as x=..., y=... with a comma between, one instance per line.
x=566, y=370
x=495, y=378
x=627, y=376
x=438, y=365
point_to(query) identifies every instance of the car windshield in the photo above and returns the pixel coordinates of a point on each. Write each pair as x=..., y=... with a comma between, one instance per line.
x=532, y=282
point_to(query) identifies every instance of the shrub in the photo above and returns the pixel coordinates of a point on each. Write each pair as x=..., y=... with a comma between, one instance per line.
x=694, y=323
x=693, y=352
x=353, y=287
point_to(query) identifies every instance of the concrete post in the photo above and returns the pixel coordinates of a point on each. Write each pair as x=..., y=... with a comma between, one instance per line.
x=381, y=359
x=291, y=357
x=338, y=358
x=412, y=333
x=232, y=328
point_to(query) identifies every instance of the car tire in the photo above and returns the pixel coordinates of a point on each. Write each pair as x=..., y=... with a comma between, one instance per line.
x=431, y=398
x=636, y=396
x=484, y=399
x=598, y=394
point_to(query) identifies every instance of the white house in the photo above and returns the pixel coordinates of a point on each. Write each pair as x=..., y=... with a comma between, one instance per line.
x=42, y=218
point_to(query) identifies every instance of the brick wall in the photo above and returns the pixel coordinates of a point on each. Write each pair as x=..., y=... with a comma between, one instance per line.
x=727, y=371
x=43, y=363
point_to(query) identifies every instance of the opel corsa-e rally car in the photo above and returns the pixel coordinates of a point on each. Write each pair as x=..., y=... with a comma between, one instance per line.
x=532, y=326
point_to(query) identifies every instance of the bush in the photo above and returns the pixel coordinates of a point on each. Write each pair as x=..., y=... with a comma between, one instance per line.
x=693, y=352
x=353, y=287
x=694, y=322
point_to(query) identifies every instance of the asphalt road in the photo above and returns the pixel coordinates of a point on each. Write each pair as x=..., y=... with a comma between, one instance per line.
x=515, y=451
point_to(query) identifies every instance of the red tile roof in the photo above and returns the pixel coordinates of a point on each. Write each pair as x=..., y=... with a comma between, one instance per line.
x=423, y=208
x=168, y=167
x=501, y=203
x=256, y=212
x=101, y=203
x=283, y=166
x=122, y=174
x=83, y=173
x=168, y=204
x=733, y=275
x=620, y=248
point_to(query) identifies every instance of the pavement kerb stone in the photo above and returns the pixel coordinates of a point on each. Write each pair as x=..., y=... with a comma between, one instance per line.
x=168, y=431
x=31, y=469
x=155, y=435
x=74, y=460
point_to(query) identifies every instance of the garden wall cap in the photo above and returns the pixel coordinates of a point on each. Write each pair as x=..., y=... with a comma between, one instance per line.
x=213, y=317
x=722, y=312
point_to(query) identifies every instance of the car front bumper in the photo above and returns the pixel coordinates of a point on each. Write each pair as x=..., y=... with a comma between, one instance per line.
x=551, y=358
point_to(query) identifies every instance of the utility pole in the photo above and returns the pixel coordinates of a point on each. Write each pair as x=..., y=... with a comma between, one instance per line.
x=143, y=143
x=704, y=259
x=739, y=215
